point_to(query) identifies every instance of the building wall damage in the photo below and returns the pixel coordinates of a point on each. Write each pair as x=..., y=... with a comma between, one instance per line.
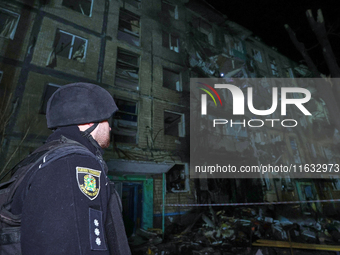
x=144, y=53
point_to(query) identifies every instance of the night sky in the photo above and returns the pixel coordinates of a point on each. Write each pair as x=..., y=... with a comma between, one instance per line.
x=266, y=20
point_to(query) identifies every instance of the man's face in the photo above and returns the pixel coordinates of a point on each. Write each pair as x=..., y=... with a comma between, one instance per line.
x=102, y=135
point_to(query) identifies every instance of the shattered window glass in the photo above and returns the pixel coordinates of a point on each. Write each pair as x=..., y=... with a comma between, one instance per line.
x=8, y=23
x=176, y=179
x=125, y=121
x=127, y=69
x=174, y=124
x=171, y=80
x=129, y=28
x=170, y=41
x=49, y=90
x=234, y=46
x=69, y=46
x=204, y=29
x=82, y=6
x=170, y=9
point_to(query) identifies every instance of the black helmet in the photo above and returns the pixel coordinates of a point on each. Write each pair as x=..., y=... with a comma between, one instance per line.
x=79, y=103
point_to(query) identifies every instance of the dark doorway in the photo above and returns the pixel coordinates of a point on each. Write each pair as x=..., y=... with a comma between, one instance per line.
x=132, y=206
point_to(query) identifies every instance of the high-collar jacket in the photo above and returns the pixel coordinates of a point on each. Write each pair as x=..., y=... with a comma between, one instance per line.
x=65, y=208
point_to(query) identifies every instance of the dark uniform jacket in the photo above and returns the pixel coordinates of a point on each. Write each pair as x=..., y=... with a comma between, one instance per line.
x=65, y=208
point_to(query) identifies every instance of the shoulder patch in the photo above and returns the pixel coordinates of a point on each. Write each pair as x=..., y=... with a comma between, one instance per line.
x=88, y=181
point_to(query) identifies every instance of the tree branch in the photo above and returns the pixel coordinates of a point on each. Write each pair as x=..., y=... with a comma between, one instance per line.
x=319, y=30
x=301, y=47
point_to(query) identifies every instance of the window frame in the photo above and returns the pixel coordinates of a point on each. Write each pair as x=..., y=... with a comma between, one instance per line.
x=124, y=30
x=169, y=43
x=164, y=2
x=186, y=179
x=179, y=87
x=200, y=29
x=122, y=62
x=232, y=44
x=181, y=124
x=72, y=43
x=91, y=8
x=14, y=15
x=115, y=119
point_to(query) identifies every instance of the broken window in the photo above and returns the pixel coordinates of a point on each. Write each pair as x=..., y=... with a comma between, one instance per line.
x=127, y=69
x=236, y=45
x=129, y=29
x=134, y=3
x=170, y=41
x=233, y=44
x=125, y=121
x=204, y=29
x=257, y=55
x=273, y=66
x=50, y=88
x=68, y=46
x=8, y=23
x=295, y=150
x=171, y=80
x=170, y=9
x=174, y=124
x=177, y=179
x=82, y=6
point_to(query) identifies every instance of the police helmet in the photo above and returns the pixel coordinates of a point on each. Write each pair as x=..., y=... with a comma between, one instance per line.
x=79, y=103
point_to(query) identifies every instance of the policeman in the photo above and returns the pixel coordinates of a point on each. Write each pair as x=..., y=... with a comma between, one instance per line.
x=68, y=208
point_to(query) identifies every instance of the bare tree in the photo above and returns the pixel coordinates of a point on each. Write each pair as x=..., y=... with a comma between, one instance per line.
x=6, y=113
x=328, y=91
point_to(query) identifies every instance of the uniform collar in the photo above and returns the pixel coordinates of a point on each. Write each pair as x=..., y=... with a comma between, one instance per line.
x=73, y=133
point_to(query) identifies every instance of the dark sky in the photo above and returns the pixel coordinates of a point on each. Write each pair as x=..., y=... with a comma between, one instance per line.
x=266, y=20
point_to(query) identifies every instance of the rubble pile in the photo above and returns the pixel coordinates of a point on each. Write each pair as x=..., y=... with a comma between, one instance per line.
x=240, y=231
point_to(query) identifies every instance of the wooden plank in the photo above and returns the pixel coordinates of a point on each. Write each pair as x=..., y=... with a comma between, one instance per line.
x=283, y=244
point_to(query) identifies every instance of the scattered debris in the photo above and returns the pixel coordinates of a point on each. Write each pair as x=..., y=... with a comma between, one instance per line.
x=240, y=231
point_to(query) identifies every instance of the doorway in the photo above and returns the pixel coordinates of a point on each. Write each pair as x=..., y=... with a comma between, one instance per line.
x=132, y=200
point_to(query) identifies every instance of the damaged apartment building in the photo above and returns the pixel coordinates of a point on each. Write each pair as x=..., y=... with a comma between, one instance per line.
x=144, y=52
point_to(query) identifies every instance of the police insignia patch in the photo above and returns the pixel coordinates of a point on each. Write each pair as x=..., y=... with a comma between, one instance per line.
x=88, y=181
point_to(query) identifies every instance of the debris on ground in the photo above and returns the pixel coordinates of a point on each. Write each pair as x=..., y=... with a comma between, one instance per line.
x=240, y=231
